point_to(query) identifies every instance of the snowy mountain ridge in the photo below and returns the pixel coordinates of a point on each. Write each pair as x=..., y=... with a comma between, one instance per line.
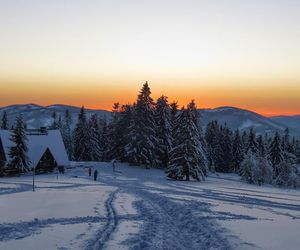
x=37, y=116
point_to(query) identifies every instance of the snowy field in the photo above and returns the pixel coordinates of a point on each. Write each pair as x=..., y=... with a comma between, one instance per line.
x=139, y=209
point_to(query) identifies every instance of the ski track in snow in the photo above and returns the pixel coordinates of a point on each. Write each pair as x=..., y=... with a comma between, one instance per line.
x=173, y=215
x=166, y=224
x=111, y=224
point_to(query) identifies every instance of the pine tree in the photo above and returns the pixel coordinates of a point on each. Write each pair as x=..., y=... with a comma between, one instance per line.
x=18, y=152
x=141, y=147
x=59, y=123
x=212, y=135
x=261, y=147
x=54, y=124
x=187, y=158
x=245, y=139
x=173, y=111
x=4, y=124
x=237, y=151
x=276, y=153
x=94, y=136
x=163, y=131
x=103, y=140
x=66, y=132
x=224, y=161
x=252, y=144
x=115, y=149
x=81, y=138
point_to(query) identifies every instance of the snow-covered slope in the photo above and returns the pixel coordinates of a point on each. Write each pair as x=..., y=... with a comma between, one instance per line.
x=135, y=208
x=245, y=119
x=37, y=116
x=293, y=122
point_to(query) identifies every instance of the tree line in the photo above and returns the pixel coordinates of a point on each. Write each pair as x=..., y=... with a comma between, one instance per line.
x=159, y=134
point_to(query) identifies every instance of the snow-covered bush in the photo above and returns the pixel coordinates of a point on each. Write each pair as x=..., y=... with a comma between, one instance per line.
x=256, y=169
x=288, y=175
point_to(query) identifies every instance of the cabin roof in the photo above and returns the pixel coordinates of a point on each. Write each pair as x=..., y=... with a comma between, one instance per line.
x=37, y=145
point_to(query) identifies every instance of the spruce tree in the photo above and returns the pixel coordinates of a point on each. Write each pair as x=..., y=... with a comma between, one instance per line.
x=237, y=151
x=94, y=136
x=276, y=153
x=261, y=147
x=54, y=124
x=81, y=138
x=18, y=152
x=4, y=121
x=163, y=131
x=103, y=140
x=115, y=149
x=66, y=132
x=252, y=144
x=187, y=157
x=212, y=135
x=141, y=147
x=224, y=161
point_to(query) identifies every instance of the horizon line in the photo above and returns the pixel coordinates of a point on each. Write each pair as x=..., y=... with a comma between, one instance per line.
x=109, y=110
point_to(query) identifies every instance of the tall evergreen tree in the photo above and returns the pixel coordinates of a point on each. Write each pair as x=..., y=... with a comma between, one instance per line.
x=237, y=151
x=187, y=158
x=141, y=148
x=224, y=162
x=261, y=147
x=163, y=131
x=81, y=138
x=94, y=136
x=66, y=132
x=115, y=148
x=4, y=121
x=276, y=153
x=54, y=124
x=252, y=144
x=212, y=135
x=18, y=152
x=103, y=140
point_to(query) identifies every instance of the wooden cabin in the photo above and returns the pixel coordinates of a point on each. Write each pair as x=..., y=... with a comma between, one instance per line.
x=46, y=150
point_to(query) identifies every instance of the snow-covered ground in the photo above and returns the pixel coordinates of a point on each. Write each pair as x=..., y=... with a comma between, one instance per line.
x=137, y=208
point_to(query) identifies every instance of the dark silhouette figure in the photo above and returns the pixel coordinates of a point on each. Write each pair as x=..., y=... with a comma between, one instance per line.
x=90, y=171
x=95, y=174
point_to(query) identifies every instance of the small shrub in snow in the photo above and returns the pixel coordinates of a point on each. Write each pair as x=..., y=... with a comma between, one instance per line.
x=288, y=175
x=256, y=169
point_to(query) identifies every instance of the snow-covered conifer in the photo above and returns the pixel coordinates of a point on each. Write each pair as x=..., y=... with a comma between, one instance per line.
x=18, y=152
x=141, y=147
x=237, y=151
x=81, y=138
x=94, y=136
x=163, y=131
x=4, y=121
x=66, y=132
x=252, y=144
x=276, y=153
x=187, y=157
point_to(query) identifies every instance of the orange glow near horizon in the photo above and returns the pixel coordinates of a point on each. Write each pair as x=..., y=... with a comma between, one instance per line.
x=244, y=54
x=101, y=95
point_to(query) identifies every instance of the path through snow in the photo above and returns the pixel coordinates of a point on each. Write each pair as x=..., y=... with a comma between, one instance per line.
x=139, y=209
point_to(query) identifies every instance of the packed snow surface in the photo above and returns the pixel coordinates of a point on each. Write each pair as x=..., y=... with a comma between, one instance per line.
x=135, y=208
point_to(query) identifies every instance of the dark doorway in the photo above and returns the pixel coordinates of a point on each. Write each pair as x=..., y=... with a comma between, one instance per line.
x=46, y=164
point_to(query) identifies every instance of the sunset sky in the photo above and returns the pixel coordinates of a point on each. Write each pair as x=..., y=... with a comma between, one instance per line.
x=220, y=53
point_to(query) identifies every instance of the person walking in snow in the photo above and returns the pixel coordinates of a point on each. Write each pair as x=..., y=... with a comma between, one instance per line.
x=114, y=165
x=95, y=174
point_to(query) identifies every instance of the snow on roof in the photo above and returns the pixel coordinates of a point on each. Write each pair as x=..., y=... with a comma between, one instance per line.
x=38, y=144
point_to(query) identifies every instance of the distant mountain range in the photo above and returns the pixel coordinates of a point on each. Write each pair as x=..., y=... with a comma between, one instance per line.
x=37, y=116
